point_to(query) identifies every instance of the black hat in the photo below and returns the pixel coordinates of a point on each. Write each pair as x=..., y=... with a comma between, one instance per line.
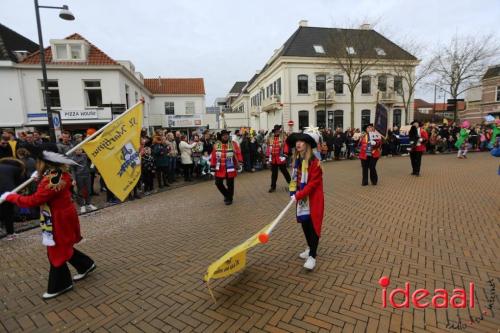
x=224, y=132
x=294, y=137
x=415, y=121
x=276, y=128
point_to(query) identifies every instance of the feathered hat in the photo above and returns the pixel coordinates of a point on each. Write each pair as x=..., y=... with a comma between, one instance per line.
x=49, y=152
x=310, y=135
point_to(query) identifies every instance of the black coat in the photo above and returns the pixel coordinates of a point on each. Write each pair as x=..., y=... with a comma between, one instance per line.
x=10, y=177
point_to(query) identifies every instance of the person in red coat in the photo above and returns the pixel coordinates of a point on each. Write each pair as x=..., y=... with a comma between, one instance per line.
x=59, y=219
x=277, y=151
x=369, y=154
x=418, y=140
x=224, y=163
x=306, y=188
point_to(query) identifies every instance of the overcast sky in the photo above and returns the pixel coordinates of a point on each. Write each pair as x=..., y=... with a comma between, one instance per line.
x=224, y=41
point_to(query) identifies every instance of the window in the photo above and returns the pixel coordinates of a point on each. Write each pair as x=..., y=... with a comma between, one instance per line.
x=350, y=50
x=398, y=85
x=169, y=108
x=498, y=93
x=303, y=84
x=136, y=95
x=189, y=107
x=303, y=119
x=396, y=118
x=274, y=88
x=380, y=51
x=76, y=51
x=278, y=85
x=366, y=85
x=338, y=119
x=321, y=119
x=320, y=82
x=382, y=83
x=53, y=93
x=61, y=51
x=319, y=49
x=93, y=93
x=338, y=84
x=365, y=118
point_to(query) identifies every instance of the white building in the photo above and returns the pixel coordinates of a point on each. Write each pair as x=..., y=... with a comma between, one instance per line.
x=89, y=88
x=292, y=84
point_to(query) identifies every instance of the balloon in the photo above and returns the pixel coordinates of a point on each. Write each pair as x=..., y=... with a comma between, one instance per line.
x=263, y=238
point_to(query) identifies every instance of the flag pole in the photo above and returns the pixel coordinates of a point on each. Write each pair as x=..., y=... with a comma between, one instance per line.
x=264, y=237
x=72, y=150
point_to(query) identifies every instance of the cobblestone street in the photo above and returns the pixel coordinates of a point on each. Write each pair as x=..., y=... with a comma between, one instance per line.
x=440, y=230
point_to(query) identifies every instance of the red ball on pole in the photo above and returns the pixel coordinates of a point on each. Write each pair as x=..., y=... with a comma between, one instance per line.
x=263, y=238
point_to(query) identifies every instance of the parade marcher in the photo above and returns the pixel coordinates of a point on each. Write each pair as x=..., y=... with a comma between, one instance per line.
x=370, y=144
x=462, y=143
x=306, y=188
x=277, y=151
x=418, y=140
x=224, y=164
x=59, y=219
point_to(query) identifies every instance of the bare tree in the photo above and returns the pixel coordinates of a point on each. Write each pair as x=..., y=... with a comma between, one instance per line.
x=463, y=61
x=352, y=47
x=410, y=76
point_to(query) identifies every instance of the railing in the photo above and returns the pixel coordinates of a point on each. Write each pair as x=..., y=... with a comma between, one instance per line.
x=388, y=96
x=272, y=103
x=319, y=97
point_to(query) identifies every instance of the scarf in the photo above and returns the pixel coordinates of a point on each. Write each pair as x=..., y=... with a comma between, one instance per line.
x=229, y=156
x=303, y=211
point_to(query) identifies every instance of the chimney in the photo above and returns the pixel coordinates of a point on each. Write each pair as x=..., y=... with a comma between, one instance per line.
x=303, y=23
x=365, y=26
x=159, y=80
x=257, y=72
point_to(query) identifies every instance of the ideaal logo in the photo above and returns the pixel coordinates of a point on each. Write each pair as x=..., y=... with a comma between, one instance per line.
x=130, y=158
x=440, y=300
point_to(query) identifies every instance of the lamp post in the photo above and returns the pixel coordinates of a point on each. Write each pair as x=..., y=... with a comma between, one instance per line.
x=65, y=14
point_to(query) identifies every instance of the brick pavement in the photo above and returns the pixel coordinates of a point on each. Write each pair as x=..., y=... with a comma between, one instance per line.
x=438, y=230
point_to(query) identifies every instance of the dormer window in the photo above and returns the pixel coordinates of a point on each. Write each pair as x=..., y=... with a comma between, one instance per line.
x=350, y=50
x=69, y=50
x=380, y=51
x=319, y=49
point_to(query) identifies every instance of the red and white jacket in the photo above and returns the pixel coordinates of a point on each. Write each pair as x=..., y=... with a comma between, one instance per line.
x=277, y=149
x=218, y=159
x=364, y=141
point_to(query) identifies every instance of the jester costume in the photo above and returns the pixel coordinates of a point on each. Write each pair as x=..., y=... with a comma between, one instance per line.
x=224, y=163
x=306, y=186
x=59, y=221
x=277, y=151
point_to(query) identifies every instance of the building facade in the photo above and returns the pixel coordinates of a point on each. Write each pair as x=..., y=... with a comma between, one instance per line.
x=483, y=99
x=89, y=89
x=303, y=83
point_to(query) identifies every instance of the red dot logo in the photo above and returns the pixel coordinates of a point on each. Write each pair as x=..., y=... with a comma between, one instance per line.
x=384, y=281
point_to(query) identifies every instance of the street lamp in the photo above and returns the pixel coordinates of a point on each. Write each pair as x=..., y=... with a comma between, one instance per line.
x=65, y=14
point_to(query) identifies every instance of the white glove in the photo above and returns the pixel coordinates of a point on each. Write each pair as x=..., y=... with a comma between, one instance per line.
x=420, y=140
x=294, y=199
x=34, y=174
x=240, y=169
x=373, y=143
x=4, y=196
x=212, y=173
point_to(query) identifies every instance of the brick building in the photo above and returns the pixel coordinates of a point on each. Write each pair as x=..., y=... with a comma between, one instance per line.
x=483, y=99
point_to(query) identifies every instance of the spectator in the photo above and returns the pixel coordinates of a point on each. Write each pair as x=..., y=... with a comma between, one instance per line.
x=65, y=145
x=81, y=178
x=6, y=149
x=196, y=154
x=12, y=172
x=172, y=157
x=186, y=151
x=338, y=141
x=148, y=170
x=160, y=154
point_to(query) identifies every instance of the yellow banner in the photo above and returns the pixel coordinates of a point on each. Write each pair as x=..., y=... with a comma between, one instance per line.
x=234, y=260
x=115, y=152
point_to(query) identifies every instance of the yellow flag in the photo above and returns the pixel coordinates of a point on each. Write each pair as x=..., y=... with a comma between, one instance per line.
x=234, y=260
x=115, y=152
